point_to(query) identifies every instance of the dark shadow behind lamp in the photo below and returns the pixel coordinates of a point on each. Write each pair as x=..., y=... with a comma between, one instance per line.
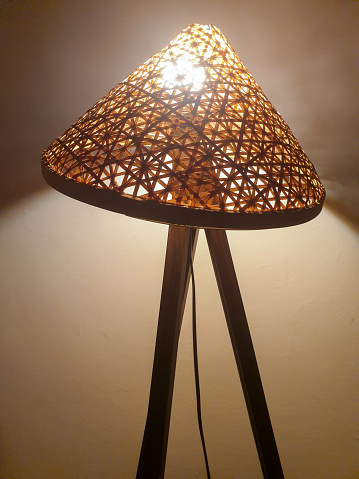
x=189, y=139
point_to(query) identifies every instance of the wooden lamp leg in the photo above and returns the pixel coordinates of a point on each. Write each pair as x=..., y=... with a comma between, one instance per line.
x=181, y=242
x=244, y=354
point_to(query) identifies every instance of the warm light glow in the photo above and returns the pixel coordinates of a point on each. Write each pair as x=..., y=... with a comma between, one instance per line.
x=183, y=72
x=190, y=127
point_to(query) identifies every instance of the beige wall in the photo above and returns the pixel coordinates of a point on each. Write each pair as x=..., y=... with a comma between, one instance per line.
x=80, y=287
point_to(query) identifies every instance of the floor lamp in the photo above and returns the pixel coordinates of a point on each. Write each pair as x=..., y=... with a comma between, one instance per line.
x=189, y=139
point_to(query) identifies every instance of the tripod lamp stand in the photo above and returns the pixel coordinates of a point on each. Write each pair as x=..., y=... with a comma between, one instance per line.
x=190, y=140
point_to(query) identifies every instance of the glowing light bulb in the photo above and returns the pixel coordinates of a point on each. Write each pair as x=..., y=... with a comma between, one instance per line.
x=183, y=72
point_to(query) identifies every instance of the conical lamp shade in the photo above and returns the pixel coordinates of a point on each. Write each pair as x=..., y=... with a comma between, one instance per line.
x=188, y=138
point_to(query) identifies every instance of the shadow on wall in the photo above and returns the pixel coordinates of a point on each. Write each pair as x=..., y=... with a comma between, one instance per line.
x=52, y=77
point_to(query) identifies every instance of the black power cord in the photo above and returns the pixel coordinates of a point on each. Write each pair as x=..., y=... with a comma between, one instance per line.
x=195, y=362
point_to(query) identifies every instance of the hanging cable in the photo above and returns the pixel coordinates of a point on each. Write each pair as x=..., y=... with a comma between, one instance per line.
x=195, y=361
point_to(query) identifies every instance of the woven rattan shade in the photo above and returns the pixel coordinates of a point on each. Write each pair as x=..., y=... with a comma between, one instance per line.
x=188, y=138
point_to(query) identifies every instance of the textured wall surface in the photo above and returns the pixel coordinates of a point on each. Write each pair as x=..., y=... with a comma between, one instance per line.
x=80, y=287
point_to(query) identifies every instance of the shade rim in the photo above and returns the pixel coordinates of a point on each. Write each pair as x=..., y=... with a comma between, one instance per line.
x=152, y=210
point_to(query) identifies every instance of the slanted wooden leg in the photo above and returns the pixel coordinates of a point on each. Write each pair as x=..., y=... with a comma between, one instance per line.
x=180, y=244
x=244, y=354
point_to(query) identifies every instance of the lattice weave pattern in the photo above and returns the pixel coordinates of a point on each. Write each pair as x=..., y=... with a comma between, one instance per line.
x=190, y=127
